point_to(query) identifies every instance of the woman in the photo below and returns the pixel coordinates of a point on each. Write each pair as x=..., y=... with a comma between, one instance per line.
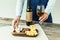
x=46, y=17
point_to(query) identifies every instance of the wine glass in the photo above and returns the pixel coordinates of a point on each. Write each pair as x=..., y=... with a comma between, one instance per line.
x=40, y=10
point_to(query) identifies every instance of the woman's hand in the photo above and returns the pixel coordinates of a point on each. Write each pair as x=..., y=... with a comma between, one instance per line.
x=15, y=22
x=43, y=17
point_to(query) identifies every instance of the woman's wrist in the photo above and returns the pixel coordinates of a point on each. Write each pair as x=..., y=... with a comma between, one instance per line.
x=18, y=17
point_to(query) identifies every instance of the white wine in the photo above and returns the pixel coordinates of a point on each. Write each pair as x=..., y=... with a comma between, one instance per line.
x=28, y=14
x=39, y=10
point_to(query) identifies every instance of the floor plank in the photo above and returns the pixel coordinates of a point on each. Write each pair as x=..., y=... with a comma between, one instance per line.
x=52, y=31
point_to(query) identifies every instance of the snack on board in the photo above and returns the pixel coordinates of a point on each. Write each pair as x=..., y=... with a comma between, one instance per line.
x=25, y=29
x=17, y=30
x=32, y=31
x=32, y=27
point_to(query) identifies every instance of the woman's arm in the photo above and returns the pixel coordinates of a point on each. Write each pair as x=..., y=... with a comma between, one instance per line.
x=47, y=11
x=19, y=7
x=50, y=6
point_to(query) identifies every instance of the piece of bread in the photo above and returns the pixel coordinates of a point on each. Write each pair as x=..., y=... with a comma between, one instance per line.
x=32, y=27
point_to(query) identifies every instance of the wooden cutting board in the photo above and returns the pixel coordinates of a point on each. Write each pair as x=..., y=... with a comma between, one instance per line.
x=22, y=33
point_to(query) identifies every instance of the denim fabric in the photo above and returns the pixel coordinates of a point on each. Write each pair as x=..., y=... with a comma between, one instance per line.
x=33, y=5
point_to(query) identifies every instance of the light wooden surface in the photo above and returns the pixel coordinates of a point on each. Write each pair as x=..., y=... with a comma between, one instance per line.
x=52, y=30
x=5, y=34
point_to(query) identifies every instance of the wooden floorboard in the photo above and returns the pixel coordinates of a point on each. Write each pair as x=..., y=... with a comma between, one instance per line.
x=52, y=31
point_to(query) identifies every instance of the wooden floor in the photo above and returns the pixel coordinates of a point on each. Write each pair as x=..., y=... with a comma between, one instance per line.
x=52, y=30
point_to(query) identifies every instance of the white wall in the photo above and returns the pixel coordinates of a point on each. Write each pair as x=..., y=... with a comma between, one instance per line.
x=7, y=9
x=56, y=12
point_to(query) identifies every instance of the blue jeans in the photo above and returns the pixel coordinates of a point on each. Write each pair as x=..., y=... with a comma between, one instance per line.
x=34, y=4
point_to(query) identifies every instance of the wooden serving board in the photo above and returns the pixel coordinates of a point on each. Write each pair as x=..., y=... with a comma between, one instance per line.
x=22, y=33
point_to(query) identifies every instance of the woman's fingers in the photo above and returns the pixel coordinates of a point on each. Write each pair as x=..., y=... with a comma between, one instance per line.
x=14, y=24
x=43, y=18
